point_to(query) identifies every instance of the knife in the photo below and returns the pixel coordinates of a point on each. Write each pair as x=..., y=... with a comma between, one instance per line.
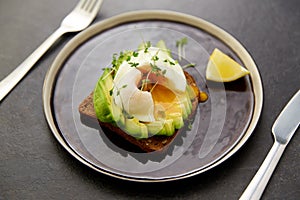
x=283, y=129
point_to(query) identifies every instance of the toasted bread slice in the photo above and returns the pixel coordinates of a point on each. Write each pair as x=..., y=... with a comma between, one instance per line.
x=154, y=143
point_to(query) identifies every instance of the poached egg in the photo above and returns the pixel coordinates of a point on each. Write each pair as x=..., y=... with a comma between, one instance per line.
x=148, y=86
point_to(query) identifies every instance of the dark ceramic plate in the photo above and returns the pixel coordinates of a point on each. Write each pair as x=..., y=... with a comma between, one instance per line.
x=221, y=125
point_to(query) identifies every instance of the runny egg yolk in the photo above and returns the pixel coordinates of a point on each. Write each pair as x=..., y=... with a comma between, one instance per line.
x=166, y=102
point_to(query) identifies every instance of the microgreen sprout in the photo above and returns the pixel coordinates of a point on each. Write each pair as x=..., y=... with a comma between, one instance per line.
x=125, y=113
x=189, y=65
x=153, y=86
x=118, y=59
x=118, y=90
x=111, y=71
x=135, y=54
x=145, y=81
x=114, y=60
x=155, y=58
x=180, y=45
x=155, y=68
x=168, y=61
x=133, y=64
x=147, y=45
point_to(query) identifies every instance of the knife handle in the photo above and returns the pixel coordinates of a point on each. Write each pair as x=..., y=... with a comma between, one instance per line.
x=257, y=185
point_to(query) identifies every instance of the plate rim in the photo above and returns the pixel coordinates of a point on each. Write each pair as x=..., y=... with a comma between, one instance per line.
x=165, y=15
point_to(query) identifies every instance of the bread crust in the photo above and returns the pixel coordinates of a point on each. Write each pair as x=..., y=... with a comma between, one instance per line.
x=154, y=143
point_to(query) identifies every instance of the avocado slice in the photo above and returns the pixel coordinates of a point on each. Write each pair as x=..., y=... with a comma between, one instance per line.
x=186, y=105
x=155, y=127
x=169, y=127
x=105, y=109
x=136, y=129
x=177, y=120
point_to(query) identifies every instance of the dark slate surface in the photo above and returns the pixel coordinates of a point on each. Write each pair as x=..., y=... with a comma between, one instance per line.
x=33, y=165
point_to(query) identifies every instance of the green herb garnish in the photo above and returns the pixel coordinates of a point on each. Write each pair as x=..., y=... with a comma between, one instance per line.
x=155, y=58
x=118, y=59
x=155, y=68
x=168, y=61
x=147, y=45
x=111, y=92
x=135, y=54
x=189, y=65
x=180, y=45
x=133, y=64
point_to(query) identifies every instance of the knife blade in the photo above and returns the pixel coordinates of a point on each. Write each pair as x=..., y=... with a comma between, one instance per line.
x=283, y=129
x=288, y=120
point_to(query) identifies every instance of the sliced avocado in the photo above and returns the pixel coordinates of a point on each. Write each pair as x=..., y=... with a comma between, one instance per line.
x=102, y=99
x=136, y=129
x=104, y=107
x=186, y=105
x=177, y=120
x=117, y=114
x=169, y=127
x=155, y=127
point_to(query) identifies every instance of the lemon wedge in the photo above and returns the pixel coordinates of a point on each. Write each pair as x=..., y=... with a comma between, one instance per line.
x=222, y=68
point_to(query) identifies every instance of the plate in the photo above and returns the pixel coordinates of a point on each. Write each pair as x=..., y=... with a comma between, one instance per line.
x=220, y=127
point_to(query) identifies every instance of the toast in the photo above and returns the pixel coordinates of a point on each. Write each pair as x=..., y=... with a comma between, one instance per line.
x=154, y=143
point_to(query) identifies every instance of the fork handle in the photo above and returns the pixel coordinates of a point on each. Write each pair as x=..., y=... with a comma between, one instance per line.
x=256, y=187
x=9, y=82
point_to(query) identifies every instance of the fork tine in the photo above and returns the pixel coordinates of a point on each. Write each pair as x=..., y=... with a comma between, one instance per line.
x=81, y=4
x=92, y=5
x=86, y=7
x=95, y=6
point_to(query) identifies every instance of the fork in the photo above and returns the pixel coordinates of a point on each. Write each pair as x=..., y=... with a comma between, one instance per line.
x=78, y=19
